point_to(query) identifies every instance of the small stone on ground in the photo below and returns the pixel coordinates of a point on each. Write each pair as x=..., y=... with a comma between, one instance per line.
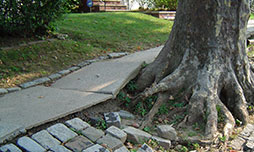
x=13, y=89
x=60, y=148
x=61, y=132
x=118, y=133
x=64, y=72
x=92, y=133
x=45, y=139
x=112, y=119
x=162, y=142
x=126, y=115
x=136, y=135
x=10, y=148
x=167, y=132
x=78, y=144
x=3, y=91
x=55, y=76
x=122, y=149
x=96, y=148
x=145, y=148
x=112, y=143
x=77, y=124
x=30, y=145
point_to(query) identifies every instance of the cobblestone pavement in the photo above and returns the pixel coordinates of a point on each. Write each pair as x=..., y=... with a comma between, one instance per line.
x=76, y=135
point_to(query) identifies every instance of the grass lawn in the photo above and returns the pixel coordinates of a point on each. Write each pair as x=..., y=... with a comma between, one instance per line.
x=90, y=35
x=251, y=16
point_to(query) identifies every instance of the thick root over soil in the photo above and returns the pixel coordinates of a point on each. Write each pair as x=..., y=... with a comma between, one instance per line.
x=213, y=91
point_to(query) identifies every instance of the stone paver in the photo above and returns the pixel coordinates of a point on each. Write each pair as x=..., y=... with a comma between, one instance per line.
x=96, y=148
x=82, y=64
x=167, y=131
x=45, y=139
x=77, y=124
x=35, y=82
x=122, y=149
x=55, y=76
x=162, y=142
x=78, y=144
x=117, y=55
x=13, y=89
x=64, y=72
x=145, y=148
x=30, y=145
x=111, y=142
x=136, y=135
x=10, y=148
x=92, y=133
x=112, y=119
x=126, y=115
x=73, y=68
x=61, y=132
x=118, y=133
x=3, y=91
x=60, y=148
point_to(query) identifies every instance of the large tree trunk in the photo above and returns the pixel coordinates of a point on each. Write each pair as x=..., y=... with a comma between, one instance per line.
x=205, y=56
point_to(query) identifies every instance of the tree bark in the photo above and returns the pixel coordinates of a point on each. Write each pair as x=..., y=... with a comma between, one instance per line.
x=205, y=56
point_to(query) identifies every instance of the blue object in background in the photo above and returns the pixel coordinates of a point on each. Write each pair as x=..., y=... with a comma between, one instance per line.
x=89, y=3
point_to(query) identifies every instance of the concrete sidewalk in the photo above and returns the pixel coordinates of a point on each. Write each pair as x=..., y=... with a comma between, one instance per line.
x=84, y=88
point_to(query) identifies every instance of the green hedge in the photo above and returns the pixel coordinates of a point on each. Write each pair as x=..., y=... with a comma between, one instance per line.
x=27, y=17
x=166, y=4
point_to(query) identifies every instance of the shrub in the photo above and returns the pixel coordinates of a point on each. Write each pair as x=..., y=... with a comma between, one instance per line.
x=166, y=4
x=74, y=6
x=26, y=17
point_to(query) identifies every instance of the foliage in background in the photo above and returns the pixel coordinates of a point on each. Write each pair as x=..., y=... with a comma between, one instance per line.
x=27, y=17
x=166, y=4
x=73, y=6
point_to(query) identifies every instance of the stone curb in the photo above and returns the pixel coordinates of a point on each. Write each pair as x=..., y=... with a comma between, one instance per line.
x=60, y=74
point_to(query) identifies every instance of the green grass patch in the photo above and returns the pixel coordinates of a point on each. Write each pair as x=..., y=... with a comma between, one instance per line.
x=251, y=16
x=90, y=35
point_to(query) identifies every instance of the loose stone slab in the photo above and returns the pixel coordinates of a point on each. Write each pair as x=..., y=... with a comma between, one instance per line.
x=45, y=139
x=126, y=115
x=112, y=143
x=60, y=148
x=122, y=149
x=78, y=144
x=96, y=148
x=145, y=148
x=92, y=133
x=61, y=132
x=162, y=142
x=55, y=76
x=77, y=124
x=136, y=135
x=112, y=119
x=13, y=89
x=30, y=145
x=10, y=148
x=64, y=72
x=35, y=82
x=40, y=105
x=3, y=91
x=117, y=133
x=166, y=131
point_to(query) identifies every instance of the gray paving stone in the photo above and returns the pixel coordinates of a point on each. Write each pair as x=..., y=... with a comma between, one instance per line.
x=145, y=148
x=75, y=68
x=167, y=132
x=111, y=142
x=249, y=145
x=61, y=132
x=248, y=129
x=118, y=133
x=55, y=76
x=117, y=55
x=162, y=142
x=64, y=72
x=112, y=119
x=77, y=124
x=136, y=135
x=35, y=82
x=126, y=115
x=237, y=143
x=10, y=148
x=13, y=89
x=96, y=148
x=60, y=148
x=3, y=91
x=45, y=139
x=82, y=64
x=122, y=149
x=29, y=145
x=92, y=133
x=78, y=144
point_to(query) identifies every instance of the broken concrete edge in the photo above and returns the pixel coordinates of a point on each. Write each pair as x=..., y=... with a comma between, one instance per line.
x=23, y=131
x=56, y=75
